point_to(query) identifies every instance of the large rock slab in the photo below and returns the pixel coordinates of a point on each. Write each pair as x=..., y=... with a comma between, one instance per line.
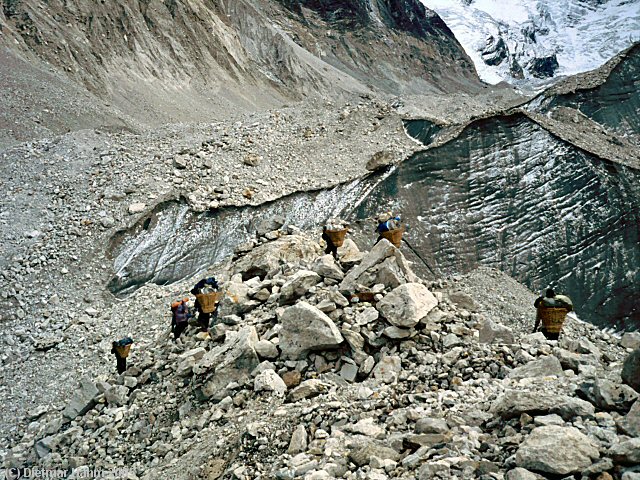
x=631, y=370
x=573, y=361
x=269, y=256
x=82, y=400
x=630, y=340
x=405, y=305
x=492, y=332
x=556, y=450
x=297, y=286
x=269, y=381
x=372, y=264
x=362, y=451
x=231, y=362
x=327, y=267
x=305, y=329
x=542, y=367
x=607, y=395
x=513, y=403
x=308, y=389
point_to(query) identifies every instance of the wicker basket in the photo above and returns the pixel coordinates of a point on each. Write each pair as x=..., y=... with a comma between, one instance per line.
x=394, y=236
x=552, y=318
x=337, y=236
x=123, y=350
x=208, y=301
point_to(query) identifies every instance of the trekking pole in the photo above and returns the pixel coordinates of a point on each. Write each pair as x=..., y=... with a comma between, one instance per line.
x=419, y=256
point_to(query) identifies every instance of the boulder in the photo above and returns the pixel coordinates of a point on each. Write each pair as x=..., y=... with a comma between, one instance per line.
x=543, y=367
x=366, y=272
x=349, y=253
x=630, y=423
x=269, y=256
x=520, y=473
x=266, y=349
x=513, y=403
x=573, y=361
x=492, y=332
x=117, y=395
x=631, y=370
x=298, y=442
x=380, y=160
x=236, y=299
x=298, y=286
x=307, y=389
x=607, y=395
x=305, y=329
x=630, y=340
x=388, y=369
x=405, y=305
x=327, y=267
x=232, y=361
x=431, y=425
x=626, y=452
x=269, y=381
x=362, y=451
x=82, y=400
x=556, y=450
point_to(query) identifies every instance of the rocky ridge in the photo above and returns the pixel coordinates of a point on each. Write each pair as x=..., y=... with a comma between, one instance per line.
x=353, y=368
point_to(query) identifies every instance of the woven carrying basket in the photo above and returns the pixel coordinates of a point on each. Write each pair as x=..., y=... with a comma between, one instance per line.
x=552, y=318
x=123, y=350
x=394, y=236
x=337, y=236
x=208, y=301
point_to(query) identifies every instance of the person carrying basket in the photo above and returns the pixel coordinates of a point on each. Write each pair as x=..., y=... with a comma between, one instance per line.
x=207, y=300
x=121, y=350
x=551, y=311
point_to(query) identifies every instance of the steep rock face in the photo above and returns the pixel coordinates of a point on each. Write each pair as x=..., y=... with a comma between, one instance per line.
x=508, y=194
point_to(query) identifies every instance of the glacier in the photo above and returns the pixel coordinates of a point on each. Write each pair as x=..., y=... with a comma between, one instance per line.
x=526, y=42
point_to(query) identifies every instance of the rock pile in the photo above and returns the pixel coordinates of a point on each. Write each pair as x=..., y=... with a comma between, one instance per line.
x=351, y=368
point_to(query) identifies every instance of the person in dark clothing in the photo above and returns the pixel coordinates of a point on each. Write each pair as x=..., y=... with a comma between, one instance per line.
x=386, y=223
x=550, y=300
x=121, y=350
x=331, y=248
x=180, y=316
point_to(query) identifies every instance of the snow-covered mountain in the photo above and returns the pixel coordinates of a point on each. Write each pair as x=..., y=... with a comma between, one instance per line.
x=538, y=39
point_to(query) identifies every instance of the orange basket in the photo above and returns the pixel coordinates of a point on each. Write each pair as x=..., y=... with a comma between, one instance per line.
x=394, y=236
x=208, y=301
x=337, y=236
x=552, y=318
x=123, y=350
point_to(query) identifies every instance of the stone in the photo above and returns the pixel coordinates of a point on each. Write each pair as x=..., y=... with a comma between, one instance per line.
x=405, y=305
x=378, y=253
x=520, y=473
x=305, y=329
x=269, y=381
x=552, y=419
x=266, y=349
x=232, y=361
x=543, y=367
x=492, y=332
x=298, y=286
x=367, y=427
x=269, y=256
x=556, y=450
x=380, y=160
x=429, y=440
x=607, y=395
x=82, y=400
x=630, y=340
x=388, y=369
x=327, y=267
x=349, y=372
x=513, y=403
x=117, y=395
x=431, y=425
x=136, y=208
x=367, y=315
x=399, y=333
x=362, y=452
x=107, y=222
x=292, y=378
x=299, y=441
x=463, y=301
x=252, y=159
x=236, y=300
x=626, y=452
x=630, y=423
x=573, y=361
x=307, y=389
x=631, y=370
x=349, y=253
